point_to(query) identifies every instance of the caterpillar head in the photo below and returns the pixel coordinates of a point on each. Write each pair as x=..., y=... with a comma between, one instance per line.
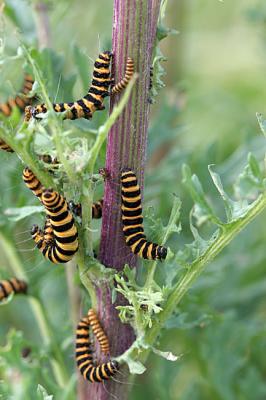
x=28, y=113
x=161, y=253
x=106, y=55
x=115, y=365
x=34, y=230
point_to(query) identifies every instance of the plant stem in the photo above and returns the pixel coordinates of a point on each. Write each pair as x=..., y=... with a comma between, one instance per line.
x=224, y=237
x=134, y=28
x=25, y=154
x=38, y=311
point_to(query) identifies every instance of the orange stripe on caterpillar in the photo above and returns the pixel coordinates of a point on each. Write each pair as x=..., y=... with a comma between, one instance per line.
x=14, y=285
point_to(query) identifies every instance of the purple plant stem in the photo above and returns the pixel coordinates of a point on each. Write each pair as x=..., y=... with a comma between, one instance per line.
x=134, y=29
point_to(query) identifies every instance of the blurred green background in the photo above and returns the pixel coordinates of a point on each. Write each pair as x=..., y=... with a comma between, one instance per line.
x=215, y=83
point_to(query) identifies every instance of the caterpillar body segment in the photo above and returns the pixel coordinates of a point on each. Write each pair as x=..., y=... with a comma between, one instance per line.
x=91, y=102
x=20, y=101
x=85, y=359
x=98, y=332
x=4, y=146
x=96, y=210
x=132, y=220
x=61, y=226
x=9, y=286
x=120, y=86
x=32, y=182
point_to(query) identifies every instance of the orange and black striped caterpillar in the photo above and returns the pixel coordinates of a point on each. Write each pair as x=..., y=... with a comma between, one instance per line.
x=19, y=101
x=132, y=220
x=93, y=100
x=98, y=331
x=120, y=86
x=58, y=242
x=36, y=187
x=4, y=146
x=85, y=359
x=32, y=182
x=9, y=286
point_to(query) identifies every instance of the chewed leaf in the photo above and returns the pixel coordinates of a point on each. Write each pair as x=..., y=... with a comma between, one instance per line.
x=199, y=245
x=135, y=367
x=196, y=192
x=42, y=393
x=168, y=355
x=251, y=180
x=255, y=167
x=233, y=209
x=16, y=214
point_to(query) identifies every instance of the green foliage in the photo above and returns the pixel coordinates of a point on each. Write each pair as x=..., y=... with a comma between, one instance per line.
x=158, y=72
x=218, y=330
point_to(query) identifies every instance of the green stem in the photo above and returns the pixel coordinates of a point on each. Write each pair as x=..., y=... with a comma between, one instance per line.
x=167, y=233
x=73, y=292
x=22, y=149
x=225, y=236
x=54, y=118
x=58, y=364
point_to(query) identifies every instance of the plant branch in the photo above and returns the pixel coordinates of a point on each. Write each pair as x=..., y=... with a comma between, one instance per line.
x=224, y=237
x=47, y=336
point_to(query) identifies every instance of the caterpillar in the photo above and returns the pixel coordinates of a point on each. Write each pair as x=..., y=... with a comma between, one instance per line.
x=128, y=75
x=19, y=101
x=36, y=187
x=4, y=146
x=60, y=228
x=91, y=102
x=98, y=331
x=32, y=182
x=96, y=210
x=13, y=285
x=132, y=219
x=84, y=356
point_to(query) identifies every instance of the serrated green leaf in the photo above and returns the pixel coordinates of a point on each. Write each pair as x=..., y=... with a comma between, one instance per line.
x=196, y=192
x=233, y=209
x=42, y=393
x=199, y=245
x=255, y=167
x=135, y=367
x=168, y=355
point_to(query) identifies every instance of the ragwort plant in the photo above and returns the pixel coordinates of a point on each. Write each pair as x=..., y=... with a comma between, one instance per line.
x=133, y=309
